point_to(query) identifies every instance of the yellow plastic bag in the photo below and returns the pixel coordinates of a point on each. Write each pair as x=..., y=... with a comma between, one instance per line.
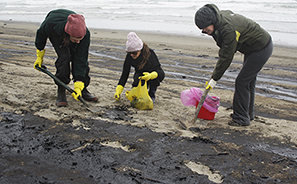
x=139, y=97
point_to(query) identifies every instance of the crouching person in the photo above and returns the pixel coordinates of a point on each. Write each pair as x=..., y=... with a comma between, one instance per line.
x=146, y=64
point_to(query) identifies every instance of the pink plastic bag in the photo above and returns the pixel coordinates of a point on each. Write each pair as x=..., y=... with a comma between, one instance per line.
x=191, y=97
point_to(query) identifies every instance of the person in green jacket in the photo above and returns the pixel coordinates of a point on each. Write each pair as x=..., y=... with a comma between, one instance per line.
x=70, y=38
x=233, y=32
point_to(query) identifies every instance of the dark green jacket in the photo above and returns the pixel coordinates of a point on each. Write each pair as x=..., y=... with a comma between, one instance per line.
x=234, y=32
x=54, y=25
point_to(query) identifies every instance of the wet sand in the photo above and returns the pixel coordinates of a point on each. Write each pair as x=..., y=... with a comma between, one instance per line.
x=119, y=143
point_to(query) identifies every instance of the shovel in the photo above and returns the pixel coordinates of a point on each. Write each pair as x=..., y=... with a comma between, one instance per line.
x=186, y=124
x=46, y=71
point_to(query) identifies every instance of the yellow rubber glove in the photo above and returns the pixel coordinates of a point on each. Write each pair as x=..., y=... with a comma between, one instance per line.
x=149, y=76
x=211, y=84
x=39, y=59
x=78, y=87
x=118, y=92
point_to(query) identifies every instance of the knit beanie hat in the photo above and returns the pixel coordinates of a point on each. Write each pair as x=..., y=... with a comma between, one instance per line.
x=76, y=25
x=205, y=17
x=134, y=43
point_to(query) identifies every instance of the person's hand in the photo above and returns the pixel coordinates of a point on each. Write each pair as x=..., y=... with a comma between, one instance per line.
x=149, y=76
x=211, y=84
x=78, y=87
x=39, y=59
x=118, y=92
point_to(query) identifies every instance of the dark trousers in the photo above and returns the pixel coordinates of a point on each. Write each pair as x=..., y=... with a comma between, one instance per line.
x=151, y=84
x=65, y=56
x=244, y=95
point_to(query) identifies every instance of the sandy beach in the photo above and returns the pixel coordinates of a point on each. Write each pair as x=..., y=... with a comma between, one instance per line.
x=270, y=137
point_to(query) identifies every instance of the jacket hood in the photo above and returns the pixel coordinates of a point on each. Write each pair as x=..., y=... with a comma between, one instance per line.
x=217, y=12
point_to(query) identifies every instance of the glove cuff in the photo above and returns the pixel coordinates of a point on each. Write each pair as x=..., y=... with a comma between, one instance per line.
x=78, y=84
x=154, y=75
x=212, y=83
x=119, y=89
x=40, y=53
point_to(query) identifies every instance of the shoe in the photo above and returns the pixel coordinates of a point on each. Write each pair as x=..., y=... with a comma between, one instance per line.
x=88, y=96
x=234, y=123
x=61, y=99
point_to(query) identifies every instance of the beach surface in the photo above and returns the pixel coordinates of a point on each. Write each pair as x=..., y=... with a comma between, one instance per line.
x=41, y=143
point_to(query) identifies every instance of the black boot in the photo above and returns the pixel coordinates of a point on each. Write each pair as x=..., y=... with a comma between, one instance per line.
x=152, y=93
x=88, y=96
x=61, y=100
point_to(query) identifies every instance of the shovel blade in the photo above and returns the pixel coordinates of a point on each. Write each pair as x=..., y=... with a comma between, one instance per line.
x=188, y=125
x=94, y=110
x=184, y=124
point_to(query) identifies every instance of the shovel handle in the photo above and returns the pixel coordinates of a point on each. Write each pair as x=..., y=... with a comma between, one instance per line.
x=44, y=69
x=202, y=99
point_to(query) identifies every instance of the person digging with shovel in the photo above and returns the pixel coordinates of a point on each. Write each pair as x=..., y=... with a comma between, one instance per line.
x=233, y=32
x=70, y=38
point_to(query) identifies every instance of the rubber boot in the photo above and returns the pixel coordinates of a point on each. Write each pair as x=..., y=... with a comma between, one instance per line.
x=61, y=100
x=87, y=96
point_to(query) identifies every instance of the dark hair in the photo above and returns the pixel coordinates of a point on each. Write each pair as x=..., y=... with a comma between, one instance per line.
x=146, y=54
x=66, y=40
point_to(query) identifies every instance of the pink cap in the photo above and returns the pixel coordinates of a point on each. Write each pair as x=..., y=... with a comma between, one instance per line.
x=76, y=25
x=134, y=43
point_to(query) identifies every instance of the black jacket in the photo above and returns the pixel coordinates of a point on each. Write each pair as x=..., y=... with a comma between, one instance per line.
x=151, y=65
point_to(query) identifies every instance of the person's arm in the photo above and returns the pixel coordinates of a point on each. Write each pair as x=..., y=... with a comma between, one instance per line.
x=123, y=79
x=125, y=72
x=40, y=42
x=226, y=54
x=156, y=65
x=80, y=62
x=41, y=36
